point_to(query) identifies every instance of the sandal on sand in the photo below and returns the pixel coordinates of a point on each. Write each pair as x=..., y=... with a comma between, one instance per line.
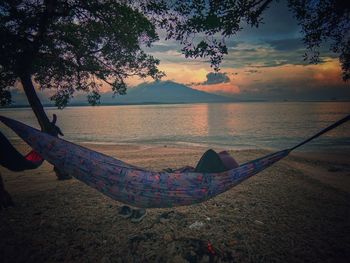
x=138, y=215
x=125, y=211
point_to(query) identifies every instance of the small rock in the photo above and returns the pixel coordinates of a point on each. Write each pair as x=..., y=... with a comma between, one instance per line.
x=164, y=220
x=167, y=237
x=232, y=243
x=257, y=222
x=179, y=259
x=196, y=225
x=193, y=253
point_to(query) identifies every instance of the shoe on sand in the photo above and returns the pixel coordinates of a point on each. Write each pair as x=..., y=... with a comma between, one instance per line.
x=125, y=211
x=138, y=215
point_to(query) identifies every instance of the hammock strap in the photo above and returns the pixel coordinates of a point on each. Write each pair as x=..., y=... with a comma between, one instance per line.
x=331, y=127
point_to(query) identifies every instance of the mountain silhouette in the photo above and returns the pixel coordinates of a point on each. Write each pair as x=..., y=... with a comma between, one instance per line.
x=159, y=92
x=163, y=92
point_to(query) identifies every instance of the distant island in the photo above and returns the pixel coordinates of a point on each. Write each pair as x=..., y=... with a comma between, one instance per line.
x=163, y=92
x=158, y=92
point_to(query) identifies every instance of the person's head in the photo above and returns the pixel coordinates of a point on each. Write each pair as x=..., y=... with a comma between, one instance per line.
x=228, y=160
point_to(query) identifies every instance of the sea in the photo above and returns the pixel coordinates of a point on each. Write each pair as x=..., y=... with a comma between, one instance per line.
x=233, y=126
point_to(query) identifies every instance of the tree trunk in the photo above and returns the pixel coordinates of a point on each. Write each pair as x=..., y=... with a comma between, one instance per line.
x=5, y=198
x=35, y=103
x=40, y=114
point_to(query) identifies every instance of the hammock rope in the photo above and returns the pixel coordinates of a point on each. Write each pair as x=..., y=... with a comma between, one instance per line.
x=331, y=127
x=137, y=186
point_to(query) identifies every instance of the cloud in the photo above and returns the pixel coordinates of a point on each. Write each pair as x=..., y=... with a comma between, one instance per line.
x=287, y=44
x=216, y=78
x=305, y=82
x=220, y=88
x=262, y=54
x=251, y=71
x=278, y=22
x=163, y=46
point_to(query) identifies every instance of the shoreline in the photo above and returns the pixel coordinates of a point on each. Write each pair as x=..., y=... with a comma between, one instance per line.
x=52, y=106
x=188, y=145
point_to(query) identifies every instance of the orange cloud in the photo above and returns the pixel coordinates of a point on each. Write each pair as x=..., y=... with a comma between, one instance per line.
x=181, y=73
x=312, y=76
x=228, y=88
x=295, y=77
x=250, y=78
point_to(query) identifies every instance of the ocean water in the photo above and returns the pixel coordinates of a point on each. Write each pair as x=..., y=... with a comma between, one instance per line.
x=262, y=125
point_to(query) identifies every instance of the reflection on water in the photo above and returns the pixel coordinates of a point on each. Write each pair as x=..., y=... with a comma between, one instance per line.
x=228, y=125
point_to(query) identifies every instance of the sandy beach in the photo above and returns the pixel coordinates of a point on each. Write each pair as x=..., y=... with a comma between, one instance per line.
x=295, y=211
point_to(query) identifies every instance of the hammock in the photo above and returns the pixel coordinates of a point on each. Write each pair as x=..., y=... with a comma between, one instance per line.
x=136, y=186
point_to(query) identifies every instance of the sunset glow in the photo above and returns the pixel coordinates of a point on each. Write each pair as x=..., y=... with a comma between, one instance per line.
x=262, y=63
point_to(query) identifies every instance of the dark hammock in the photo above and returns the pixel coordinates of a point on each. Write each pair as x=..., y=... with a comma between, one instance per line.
x=136, y=186
x=14, y=160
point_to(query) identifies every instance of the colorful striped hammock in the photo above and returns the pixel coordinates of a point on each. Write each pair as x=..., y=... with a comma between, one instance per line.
x=136, y=186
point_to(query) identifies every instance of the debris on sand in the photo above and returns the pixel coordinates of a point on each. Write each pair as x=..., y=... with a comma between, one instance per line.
x=196, y=225
x=259, y=223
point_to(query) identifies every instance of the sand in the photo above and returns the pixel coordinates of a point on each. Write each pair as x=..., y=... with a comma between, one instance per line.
x=297, y=210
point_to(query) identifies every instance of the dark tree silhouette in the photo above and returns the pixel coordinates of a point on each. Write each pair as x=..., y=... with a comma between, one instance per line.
x=72, y=45
x=69, y=46
x=202, y=26
x=325, y=21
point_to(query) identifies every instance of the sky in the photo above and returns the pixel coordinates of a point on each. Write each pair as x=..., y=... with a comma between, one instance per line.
x=262, y=63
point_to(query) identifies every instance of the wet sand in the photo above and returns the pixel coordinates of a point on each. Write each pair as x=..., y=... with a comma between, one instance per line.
x=295, y=211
